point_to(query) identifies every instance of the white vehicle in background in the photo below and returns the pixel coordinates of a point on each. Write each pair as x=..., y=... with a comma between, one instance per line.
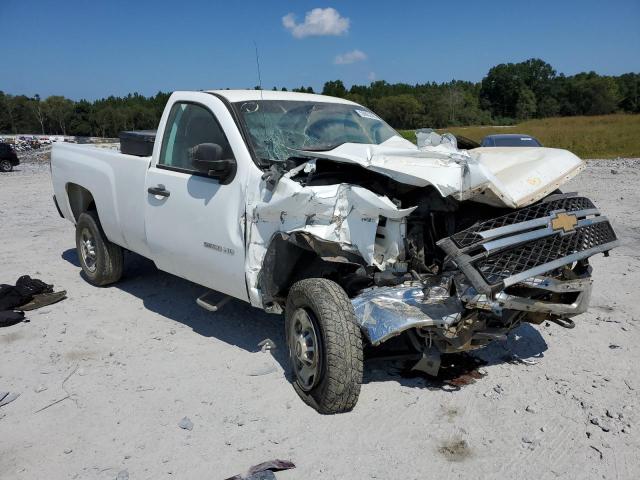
x=315, y=207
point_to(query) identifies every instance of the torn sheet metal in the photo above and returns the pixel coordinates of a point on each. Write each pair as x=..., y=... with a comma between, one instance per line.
x=345, y=214
x=499, y=176
x=385, y=312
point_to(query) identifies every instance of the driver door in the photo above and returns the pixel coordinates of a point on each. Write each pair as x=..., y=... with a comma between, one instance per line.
x=193, y=222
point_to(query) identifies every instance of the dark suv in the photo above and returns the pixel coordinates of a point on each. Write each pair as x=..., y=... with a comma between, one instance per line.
x=8, y=158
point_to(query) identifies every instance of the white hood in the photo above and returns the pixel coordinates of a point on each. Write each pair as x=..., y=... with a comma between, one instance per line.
x=499, y=176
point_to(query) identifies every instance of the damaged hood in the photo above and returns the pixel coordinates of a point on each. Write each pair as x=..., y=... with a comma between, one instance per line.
x=499, y=176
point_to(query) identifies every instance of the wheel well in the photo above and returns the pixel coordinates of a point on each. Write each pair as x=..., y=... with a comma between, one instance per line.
x=80, y=200
x=297, y=256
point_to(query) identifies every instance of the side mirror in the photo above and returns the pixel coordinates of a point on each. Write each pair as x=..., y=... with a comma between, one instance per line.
x=207, y=158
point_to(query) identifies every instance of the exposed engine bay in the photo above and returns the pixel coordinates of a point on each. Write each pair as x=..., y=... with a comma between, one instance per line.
x=451, y=248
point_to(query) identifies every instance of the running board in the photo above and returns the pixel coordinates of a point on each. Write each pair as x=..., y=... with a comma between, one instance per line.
x=207, y=305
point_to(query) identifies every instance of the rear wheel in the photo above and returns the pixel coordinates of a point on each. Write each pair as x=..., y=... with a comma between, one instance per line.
x=101, y=261
x=325, y=345
x=5, y=166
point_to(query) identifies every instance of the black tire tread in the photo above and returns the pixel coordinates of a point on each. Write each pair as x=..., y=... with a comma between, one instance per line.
x=338, y=391
x=3, y=167
x=110, y=266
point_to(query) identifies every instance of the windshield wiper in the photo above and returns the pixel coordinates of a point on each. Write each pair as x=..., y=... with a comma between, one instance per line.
x=320, y=148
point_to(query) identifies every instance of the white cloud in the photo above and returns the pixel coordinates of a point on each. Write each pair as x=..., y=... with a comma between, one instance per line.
x=317, y=22
x=350, y=57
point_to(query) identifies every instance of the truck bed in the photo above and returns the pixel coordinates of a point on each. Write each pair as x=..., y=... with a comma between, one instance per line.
x=112, y=178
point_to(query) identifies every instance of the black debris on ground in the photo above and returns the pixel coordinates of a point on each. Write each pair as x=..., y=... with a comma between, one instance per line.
x=456, y=371
x=27, y=294
x=7, y=397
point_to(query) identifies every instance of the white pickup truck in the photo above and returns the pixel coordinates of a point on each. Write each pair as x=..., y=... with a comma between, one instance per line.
x=315, y=207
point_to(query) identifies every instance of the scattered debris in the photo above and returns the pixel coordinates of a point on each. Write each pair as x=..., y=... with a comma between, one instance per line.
x=525, y=361
x=9, y=317
x=123, y=475
x=455, y=450
x=27, y=294
x=43, y=300
x=186, y=424
x=53, y=403
x=456, y=370
x=597, y=451
x=264, y=369
x=266, y=475
x=7, y=397
x=614, y=346
x=40, y=389
x=67, y=451
x=266, y=345
x=531, y=409
x=143, y=388
x=265, y=470
x=429, y=362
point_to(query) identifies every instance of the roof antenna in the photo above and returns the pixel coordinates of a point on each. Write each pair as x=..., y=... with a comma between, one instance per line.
x=264, y=120
x=258, y=65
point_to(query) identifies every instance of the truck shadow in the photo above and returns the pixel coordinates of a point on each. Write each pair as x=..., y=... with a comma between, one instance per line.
x=243, y=326
x=237, y=323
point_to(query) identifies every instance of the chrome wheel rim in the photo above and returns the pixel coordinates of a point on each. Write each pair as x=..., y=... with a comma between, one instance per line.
x=88, y=250
x=305, y=349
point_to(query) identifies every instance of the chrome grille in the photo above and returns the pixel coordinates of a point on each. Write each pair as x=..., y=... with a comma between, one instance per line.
x=509, y=249
x=570, y=204
x=496, y=268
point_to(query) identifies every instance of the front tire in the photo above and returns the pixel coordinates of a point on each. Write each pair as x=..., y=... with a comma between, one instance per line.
x=325, y=345
x=101, y=261
x=5, y=166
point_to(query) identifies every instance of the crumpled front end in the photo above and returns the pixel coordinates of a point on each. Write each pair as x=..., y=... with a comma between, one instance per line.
x=453, y=248
x=529, y=265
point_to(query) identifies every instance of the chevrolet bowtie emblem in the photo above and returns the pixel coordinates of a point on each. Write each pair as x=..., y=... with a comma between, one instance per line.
x=562, y=221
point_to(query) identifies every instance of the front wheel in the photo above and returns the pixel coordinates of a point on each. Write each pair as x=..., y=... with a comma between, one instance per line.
x=5, y=166
x=325, y=345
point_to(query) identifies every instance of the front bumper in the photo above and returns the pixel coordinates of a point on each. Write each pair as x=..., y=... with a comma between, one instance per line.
x=520, y=262
x=386, y=312
x=579, y=303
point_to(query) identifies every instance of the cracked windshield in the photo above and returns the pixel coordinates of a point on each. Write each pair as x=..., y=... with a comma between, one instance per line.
x=278, y=128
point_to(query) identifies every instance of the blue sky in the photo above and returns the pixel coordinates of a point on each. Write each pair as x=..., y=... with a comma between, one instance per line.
x=95, y=48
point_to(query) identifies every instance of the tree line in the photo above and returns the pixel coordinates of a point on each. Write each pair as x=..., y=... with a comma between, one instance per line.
x=508, y=93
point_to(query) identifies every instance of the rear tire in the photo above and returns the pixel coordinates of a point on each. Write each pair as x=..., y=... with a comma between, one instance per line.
x=5, y=166
x=101, y=261
x=325, y=345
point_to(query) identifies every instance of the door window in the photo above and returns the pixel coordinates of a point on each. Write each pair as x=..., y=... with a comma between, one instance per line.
x=189, y=125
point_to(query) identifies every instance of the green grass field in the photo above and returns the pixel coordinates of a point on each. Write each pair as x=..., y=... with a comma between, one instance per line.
x=606, y=136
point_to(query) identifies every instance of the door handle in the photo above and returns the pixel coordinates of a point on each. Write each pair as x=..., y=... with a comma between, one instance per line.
x=159, y=190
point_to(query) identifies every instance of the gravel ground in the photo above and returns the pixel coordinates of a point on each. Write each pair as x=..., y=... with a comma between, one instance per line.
x=131, y=361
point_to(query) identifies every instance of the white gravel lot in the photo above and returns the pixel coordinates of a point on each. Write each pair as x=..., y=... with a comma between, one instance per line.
x=133, y=359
